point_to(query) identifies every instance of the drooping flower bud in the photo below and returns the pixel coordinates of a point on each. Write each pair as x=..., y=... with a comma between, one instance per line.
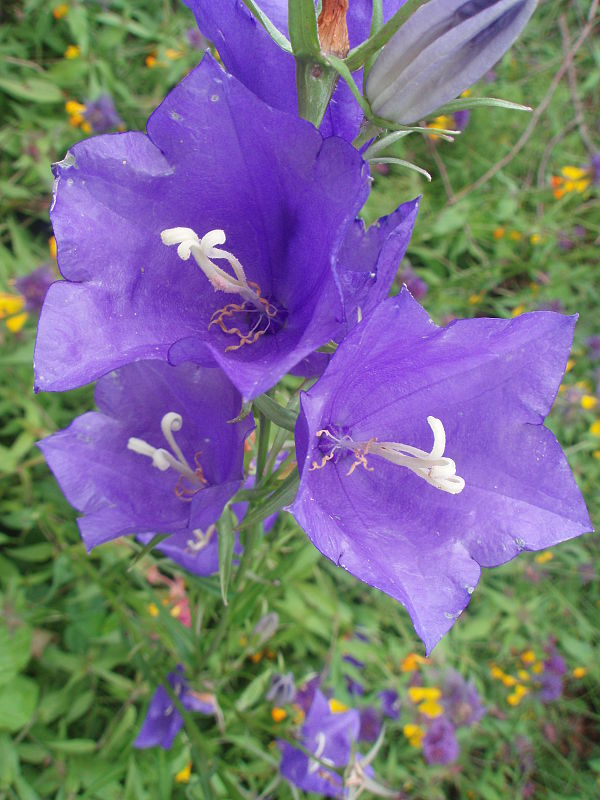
x=443, y=48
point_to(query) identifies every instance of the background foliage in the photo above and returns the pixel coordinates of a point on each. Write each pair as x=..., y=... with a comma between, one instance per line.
x=85, y=639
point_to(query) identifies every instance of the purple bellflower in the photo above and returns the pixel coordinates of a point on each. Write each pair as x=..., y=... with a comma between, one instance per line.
x=159, y=456
x=329, y=736
x=249, y=53
x=163, y=721
x=443, y=48
x=460, y=699
x=217, y=237
x=34, y=286
x=102, y=115
x=440, y=745
x=398, y=512
x=390, y=703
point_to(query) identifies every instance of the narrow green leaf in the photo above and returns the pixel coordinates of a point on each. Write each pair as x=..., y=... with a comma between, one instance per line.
x=281, y=497
x=463, y=103
x=246, y=409
x=273, y=32
x=255, y=691
x=156, y=539
x=34, y=90
x=282, y=417
x=401, y=162
x=226, y=544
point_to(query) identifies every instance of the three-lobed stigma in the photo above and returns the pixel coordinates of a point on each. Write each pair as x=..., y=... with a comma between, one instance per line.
x=435, y=468
x=191, y=479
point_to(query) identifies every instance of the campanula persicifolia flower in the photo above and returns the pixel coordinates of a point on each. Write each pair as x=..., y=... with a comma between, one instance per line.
x=460, y=699
x=423, y=454
x=163, y=720
x=328, y=735
x=216, y=237
x=159, y=455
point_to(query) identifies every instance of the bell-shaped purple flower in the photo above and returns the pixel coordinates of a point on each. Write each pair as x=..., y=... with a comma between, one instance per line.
x=214, y=238
x=329, y=736
x=163, y=720
x=160, y=456
x=390, y=703
x=249, y=53
x=34, y=286
x=102, y=115
x=443, y=48
x=460, y=699
x=424, y=457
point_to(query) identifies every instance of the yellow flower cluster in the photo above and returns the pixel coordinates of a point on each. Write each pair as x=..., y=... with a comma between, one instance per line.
x=571, y=179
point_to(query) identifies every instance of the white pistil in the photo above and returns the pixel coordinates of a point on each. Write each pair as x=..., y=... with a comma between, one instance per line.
x=313, y=764
x=205, y=250
x=162, y=459
x=434, y=467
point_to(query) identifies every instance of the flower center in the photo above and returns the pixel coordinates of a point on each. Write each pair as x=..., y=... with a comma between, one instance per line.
x=435, y=468
x=191, y=480
x=255, y=315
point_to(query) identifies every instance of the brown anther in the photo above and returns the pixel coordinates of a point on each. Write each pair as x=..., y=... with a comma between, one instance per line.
x=333, y=28
x=361, y=458
x=246, y=307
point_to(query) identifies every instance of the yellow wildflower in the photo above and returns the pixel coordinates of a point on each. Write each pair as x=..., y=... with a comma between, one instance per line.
x=441, y=123
x=537, y=668
x=588, y=401
x=528, y=657
x=475, y=298
x=535, y=238
x=336, y=707
x=419, y=693
x=412, y=662
x=517, y=310
x=52, y=247
x=496, y=672
x=543, y=558
x=499, y=232
x=183, y=775
x=278, y=714
x=153, y=610
x=596, y=454
x=595, y=428
x=11, y=309
x=256, y=657
x=414, y=734
x=570, y=365
x=508, y=680
x=72, y=51
x=58, y=12
x=172, y=54
x=579, y=672
x=523, y=674
x=431, y=709
x=516, y=236
x=151, y=61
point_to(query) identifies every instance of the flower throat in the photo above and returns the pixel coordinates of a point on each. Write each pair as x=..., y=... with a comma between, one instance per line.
x=256, y=315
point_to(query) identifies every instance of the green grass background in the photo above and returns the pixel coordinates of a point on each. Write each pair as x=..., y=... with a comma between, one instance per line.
x=80, y=653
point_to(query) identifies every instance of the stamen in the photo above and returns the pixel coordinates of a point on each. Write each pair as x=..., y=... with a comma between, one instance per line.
x=313, y=764
x=205, y=252
x=163, y=460
x=435, y=468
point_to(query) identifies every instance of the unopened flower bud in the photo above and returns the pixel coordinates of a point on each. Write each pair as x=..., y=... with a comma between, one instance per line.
x=266, y=627
x=445, y=47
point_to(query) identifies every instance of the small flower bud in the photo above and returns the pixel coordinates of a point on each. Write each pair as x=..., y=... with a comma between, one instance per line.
x=443, y=48
x=266, y=627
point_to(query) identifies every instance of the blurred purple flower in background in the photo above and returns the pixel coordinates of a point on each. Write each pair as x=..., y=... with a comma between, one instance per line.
x=460, y=699
x=440, y=745
x=101, y=114
x=163, y=721
x=34, y=286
